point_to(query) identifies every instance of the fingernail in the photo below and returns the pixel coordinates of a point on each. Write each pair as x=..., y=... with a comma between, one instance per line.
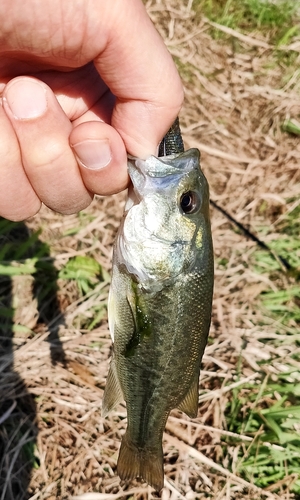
x=93, y=153
x=26, y=99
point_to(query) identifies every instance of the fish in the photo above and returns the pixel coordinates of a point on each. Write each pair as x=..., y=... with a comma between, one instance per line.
x=160, y=302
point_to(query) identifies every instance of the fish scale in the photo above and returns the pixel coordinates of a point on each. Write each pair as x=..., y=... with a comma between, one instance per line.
x=159, y=302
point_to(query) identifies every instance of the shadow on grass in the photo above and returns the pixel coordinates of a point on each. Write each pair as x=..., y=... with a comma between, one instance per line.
x=18, y=427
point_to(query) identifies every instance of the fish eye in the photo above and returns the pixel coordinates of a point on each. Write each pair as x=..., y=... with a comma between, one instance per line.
x=190, y=202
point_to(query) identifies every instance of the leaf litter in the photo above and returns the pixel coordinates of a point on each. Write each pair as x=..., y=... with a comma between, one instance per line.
x=56, y=346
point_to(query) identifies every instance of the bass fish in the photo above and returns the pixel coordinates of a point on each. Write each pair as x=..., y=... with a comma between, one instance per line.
x=159, y=303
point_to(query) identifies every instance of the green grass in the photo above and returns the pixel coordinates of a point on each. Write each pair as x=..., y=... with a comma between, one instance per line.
x=279, y=21
x=291, y=126
x=268, y=410
x=22, y=253
x=85, y=270
x=272, y=420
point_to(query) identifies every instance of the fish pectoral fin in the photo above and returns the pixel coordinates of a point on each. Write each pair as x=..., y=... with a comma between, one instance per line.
x=143, y=463
x=189, y=404
x=139, y=310
x=131, y=300
x=113, y=394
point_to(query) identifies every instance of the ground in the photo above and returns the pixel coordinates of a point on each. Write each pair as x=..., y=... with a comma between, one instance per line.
x=242, y=97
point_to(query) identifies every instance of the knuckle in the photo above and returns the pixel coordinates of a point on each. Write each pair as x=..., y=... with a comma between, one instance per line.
x=45, y=153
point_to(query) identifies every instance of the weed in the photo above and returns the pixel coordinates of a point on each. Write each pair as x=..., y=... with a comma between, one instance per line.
x=279, y=21
x=270, y=412
x=85, y=270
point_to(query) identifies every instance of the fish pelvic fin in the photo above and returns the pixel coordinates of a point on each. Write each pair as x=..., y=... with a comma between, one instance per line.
x=134, y=462
x=112, y=393
x=189, y=404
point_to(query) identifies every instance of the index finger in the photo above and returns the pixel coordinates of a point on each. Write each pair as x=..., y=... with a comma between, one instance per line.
x=139, y=70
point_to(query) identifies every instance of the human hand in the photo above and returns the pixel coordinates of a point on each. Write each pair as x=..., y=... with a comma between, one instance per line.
x=98, y=82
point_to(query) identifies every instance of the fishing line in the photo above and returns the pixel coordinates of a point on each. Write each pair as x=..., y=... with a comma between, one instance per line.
x=172, y=143
x=284, y=264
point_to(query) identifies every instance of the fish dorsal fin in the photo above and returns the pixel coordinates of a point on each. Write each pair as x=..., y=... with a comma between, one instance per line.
x=189, y=404
x=113, y=393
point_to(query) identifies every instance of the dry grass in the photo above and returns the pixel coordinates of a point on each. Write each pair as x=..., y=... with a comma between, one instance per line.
x=237, y=97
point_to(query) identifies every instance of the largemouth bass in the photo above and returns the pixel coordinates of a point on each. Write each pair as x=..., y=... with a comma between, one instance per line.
x=159, y=302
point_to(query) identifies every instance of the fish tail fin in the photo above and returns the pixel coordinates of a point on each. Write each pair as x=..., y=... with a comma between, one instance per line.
x=145, y=464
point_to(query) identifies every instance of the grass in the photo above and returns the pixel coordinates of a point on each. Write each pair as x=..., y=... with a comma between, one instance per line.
x=54, y=280
x=279, y=21
x=272, y=419
x=268, y=410
x=23, y=254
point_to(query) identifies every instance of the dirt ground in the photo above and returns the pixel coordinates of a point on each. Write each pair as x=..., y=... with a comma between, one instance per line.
x=238, y=94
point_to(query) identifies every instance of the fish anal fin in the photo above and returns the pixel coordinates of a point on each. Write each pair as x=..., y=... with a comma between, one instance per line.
x=112, y=393
x=189, y=404
x=147, y=465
